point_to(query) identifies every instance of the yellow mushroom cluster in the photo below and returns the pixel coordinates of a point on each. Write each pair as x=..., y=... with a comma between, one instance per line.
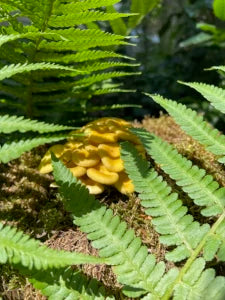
x=94, y=158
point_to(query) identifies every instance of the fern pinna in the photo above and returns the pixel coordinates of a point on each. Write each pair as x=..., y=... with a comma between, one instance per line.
x=46, y=133
x=64, y=41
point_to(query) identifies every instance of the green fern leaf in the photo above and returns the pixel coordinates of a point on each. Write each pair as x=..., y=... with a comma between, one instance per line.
x=194, y=181
x=211, y=93
x=11, y=70
x=79, y=45
x=79, y=56
x=84, y=5
x=194, y=125
x=116, y=106
x=19, y=248
x=32, y=35
x=118, y=26
x=213, y=242
x=83, y=18
x=198, y=283
x=219, y=9
x=101, y=77
x=133, y=266
x=170, y=217
x=218, y=68
x=10, y=124
x=68, y=284
x=15, y=149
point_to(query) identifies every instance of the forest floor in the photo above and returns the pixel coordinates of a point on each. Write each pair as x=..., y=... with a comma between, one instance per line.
x=28, y=202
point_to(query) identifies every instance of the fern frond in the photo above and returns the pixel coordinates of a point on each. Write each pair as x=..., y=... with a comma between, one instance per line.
x=217, y=68
x=213, y=242
x=78, y=45
x=194, y=125
x=81, y=56
x=68, y=284
x=215, y=95
x=101, y=77
x=198, y=283
x=11, y=70
x=194, y=181
x=115, y=106
x=10, y=124
x=72, y=34
x=83, y=18
x=170, y=217
x=7, y=38
x=18, y=248
x=29, y=35
x=15, y=149
x=134, y=267
x=84, y=5
x=89, y=68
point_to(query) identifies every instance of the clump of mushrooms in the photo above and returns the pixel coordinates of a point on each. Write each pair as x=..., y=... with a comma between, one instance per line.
x=94, y=158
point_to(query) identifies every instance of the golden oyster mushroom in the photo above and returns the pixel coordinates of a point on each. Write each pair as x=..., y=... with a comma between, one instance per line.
x=94, y=158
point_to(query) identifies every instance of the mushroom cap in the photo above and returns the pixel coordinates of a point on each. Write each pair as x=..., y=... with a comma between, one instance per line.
x=86, y=156
x=124, y=185
x=72, y=144
x=97, y=137
x=93, y=186
x=113, y=164
x=78, y=171
x=112, y=150
x=101, y=175
x=45, y=165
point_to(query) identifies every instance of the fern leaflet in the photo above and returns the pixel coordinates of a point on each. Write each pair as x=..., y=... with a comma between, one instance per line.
x=10, y=124
x=67, y=284
x=11, y=70
x=15, y=149
x=17, y=247
x=194, y=125
x=83, y=18
x=211, y=93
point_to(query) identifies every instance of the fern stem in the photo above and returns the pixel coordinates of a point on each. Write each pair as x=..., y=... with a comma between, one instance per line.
x=190, y=261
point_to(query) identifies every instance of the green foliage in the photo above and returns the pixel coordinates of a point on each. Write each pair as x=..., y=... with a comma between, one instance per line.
x=190, y=242
x=13, y=149
x=10, y=124
x=194, y=125
x=68, y=284
x=211, y=34
x=134, y=267
x=10, y=151
x=219, y=9
x=18, y=248
x=118, y=244
x=211, y=93
x=142, y=7
x=170, y=217
x=11, y=70
x=54, y=37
